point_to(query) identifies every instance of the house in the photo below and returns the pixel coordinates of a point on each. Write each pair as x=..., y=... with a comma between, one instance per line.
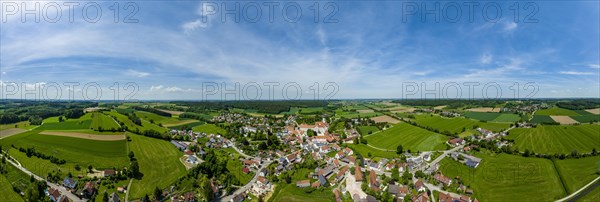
x=114, y=197
x=303, y=183
x=358, y=174
x=189, y=197
x=427, y=157
x=444, y=197
x=456, y=142
x=373, y=179
x=89, y=190
x=420, y=186
x=54, y=194
x=69, y=183
x=393, y=189
x=246, y=170
x=341, y=174
x=473, y=163
x=192, y=159
x=109, y=172
x=324, y=149
x=422, y=197
x=348, y=151
x=338, y=195
x=291, y=158
x=442, y=179
x=239, y=198
x=316, y=184
x=322, y=180
x=340, y=155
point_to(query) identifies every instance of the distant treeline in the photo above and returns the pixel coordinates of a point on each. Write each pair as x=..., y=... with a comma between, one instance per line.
x=151, y=110
x=267, y=107
x=35, y=111
x=450, y=103
x=580, y=104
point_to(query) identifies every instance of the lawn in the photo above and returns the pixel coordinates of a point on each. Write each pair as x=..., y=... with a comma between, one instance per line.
x=102, y=121
x=456, y=125
x=75, y=151
x=159, y=163
x=209, y=129
x=578, y=172
x=364, y=150
x=367, y=130
x=593, y=196
x=508, y=177
x=409, y=136
x=542, y=119
x=557, y=139
x=555, y=111
x=291, y=193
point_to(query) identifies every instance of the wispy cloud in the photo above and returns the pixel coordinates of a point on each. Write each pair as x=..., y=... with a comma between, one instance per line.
x=135, y=73
x=595, y=66
x=576, y=73
x=486, y=58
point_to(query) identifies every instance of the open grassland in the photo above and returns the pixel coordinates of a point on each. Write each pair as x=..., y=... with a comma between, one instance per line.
x=291, y=193
x=409, y=136
x=22, y=125
x=100, y=154
x=576, y=173
x=482, y=116
x=593, y=196
x=508, y=177
x=102, y=121
x=67, y=125
x=145, y=124
x=542, y=119
x=6, y=191
x=364, y=150
x=557, y=139
x=507, y=118
x=159, y=163
x=587, y=118
x=310, y=110
x=209, y=129
x=367, y=130
x=456, y=125
x=555, y=111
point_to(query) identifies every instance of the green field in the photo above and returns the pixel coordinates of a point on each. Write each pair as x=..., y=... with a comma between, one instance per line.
x=483, y=116
x=145, y=124
x=542, y=119
x=291, y=193
x=7, y=191
x=507, y=118
x=22, y=124
x=102, y=121
x=409, y=136
x=507, y=178
x=578, y=172
x=593, y=196
x=557, y=139
x=209, y=128
x=587, y=118
x=83, y=152
x=367, y=130
x=456, y=125
x=67, y=125
x=555, y=111
x=365, y=150
x=159, y=163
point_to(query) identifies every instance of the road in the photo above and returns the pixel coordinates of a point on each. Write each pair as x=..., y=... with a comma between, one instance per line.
x=248, y=185
x=436, y=188
x=578, y=191
x=439, y=158
x=128, y=188
x=242, y=153
x=62, y=190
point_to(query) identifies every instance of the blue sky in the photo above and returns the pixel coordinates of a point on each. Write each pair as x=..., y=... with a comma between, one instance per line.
x=366, y=49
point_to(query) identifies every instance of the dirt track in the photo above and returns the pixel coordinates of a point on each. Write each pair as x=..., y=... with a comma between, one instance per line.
x=85, y=136
x=11, y=131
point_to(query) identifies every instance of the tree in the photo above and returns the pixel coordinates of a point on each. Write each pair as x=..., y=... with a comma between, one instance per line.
x=399, y=149
x=395, y=174
x=157, y=194
x=77, y=168
x=105, y=197
x=135, y=169
x=90, y=168
x=60, y=119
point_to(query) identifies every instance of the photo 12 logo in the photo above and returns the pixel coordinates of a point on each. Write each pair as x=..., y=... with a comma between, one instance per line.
x=468, y=90
x=68, y=11
x=470, y=11
x=269, y=11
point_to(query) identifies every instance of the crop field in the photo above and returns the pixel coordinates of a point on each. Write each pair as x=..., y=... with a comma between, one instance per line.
x=102, y=121
x=367, y=130
x=159, y=163
x=593, y=196
x=565, y=120
x=576, y=173
x=11, y=131
x=508, y=177
x=507, y=118
x=187, y=125
x=85, y=135
x=22, y=125
x=587, y=118
x=385, y=118
x=145, y=124
x=7, y=191
x=542, y=119
x=493, y=116
x=409, y=136
x=351, y=115
x=209, y=128
x=310, y=110
x=555, y=111
x=593, y=111
x=455, y=125
x=557, y=139
x=484, y=109
x=67, y=125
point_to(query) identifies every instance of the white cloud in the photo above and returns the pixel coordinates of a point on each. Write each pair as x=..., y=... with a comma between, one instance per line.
x=486, y=58
x=173, y=89
x=155, y=88
x=188, y=27
x=510, y=26
x=576, y=73
x=595, y=66
x=136, y=73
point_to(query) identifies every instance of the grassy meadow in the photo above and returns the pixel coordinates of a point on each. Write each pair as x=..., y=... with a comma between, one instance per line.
x=557, y=139
x=578, y=172
x=409, y=136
